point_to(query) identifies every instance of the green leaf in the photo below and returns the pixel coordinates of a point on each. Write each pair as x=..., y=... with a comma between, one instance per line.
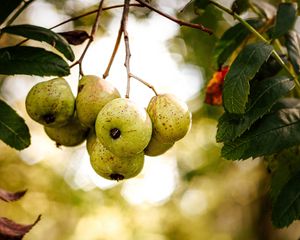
x=292, y=43
x=232, y=39
x=285, y=19
x=7, y=7
x=31, y=61
x=286, y=208
x=42, y=34
x=274, y=132
x=285, y=167
x=262, y=97
x=243, y=69
x=13, y=130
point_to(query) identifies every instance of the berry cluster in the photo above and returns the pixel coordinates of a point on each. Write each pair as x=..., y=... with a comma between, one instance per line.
x=118, y=132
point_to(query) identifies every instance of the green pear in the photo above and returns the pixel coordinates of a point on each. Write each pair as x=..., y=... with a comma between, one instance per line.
x=111, y=167
x=123, y=128
x=156, y=147
x=91, y=140
x=51, y=102
x=93, y=94
x=71, y=134
x=170, y=117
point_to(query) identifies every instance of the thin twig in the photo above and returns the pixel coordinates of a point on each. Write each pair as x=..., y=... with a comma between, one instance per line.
x=84, y=15
x=91, y=39
x=117, y=44
x=178, y=21
x=93, y=12
x=126, y=40
x=144, y=82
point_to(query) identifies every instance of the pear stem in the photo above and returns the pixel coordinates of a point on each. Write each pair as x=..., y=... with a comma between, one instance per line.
x=145, y=83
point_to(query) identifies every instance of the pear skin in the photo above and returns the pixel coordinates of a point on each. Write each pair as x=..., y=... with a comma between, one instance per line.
x=111, y=167
x=93, y=94
x=170, y=117
x=123, y=128
x=156, y=147
x=51, y=102
x=71, y=134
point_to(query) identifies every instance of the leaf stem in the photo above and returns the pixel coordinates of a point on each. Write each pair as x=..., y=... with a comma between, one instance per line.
x=259, y=36
x=178, y=21
x=145, y=83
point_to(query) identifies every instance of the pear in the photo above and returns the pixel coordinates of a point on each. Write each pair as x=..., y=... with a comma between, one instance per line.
x=71, y=134
x=111, y=167
x=93, y=94
x=123, y=127
x=91, y=140
x=156, y=147
x=51, y=102
x=170, y=117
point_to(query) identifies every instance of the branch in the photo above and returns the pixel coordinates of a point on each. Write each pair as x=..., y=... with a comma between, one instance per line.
x=126, y=40
x=178, y=21
x=93, y=12
x=91, y=39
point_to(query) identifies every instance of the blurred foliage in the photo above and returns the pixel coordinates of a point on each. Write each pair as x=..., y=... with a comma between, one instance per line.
x=213, y=199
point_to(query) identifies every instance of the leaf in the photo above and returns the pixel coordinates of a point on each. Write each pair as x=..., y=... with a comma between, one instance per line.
x=285, y=19
x=243, y=69
x=286, y=208
x=262, y=97
x=10, y=230
x=292, y=43
x=42, y=34
x=31, y=61
x=7, y=7
x=9, y=197
x=75, y=37
x=13, y=130
x=274, y=132
x=240, y=6
x=232, y=39
x=285, y=166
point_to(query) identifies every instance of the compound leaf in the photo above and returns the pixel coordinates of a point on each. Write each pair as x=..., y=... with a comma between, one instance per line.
x=292, y=43
x=42, y=34
x=232, y=39
x=274, y=132
x=285, y=19
x=13, y=130
x=262, y=97
x=243, y=69
x=31, y=61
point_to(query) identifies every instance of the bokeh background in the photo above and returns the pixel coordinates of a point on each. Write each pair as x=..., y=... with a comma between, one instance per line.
x=186, y=194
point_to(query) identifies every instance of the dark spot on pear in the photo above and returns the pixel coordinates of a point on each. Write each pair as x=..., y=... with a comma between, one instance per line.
x=49, y=118
x=80, y=87
x=115, y=133
x=116, y=176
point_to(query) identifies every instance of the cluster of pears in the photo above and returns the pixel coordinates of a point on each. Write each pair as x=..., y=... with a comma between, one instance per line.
x=117, y=131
